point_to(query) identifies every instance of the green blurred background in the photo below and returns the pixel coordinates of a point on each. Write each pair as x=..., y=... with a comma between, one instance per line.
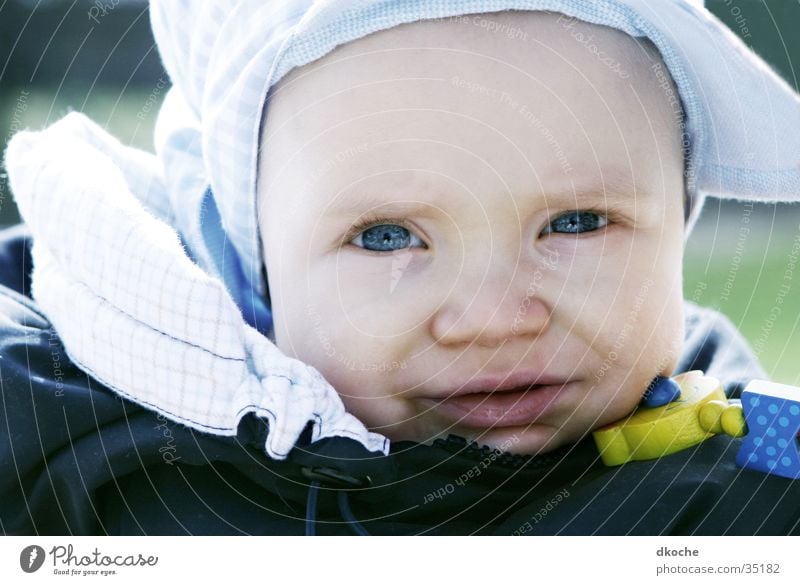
x=54, y=59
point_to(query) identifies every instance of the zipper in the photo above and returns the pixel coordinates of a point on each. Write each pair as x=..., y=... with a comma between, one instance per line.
x=460, y=446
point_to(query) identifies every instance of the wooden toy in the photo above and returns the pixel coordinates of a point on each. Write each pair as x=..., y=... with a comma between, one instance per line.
x=768, y=417
x=772, y=444
x=661, y=391
x=649, y=433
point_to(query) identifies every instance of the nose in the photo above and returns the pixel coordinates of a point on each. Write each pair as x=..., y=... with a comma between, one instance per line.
x=490, y=311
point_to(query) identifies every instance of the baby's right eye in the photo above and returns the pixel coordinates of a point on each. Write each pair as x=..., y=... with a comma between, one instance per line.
x=386, y=237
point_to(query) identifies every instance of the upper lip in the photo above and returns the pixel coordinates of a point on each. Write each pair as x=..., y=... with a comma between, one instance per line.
x=504, y=382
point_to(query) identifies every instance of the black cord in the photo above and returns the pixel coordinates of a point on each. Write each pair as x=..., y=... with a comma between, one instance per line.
x=347, y=514
x=311, y=509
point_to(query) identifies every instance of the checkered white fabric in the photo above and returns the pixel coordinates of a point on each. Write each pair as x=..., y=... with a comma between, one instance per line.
x=132, y=253
x=134, y=311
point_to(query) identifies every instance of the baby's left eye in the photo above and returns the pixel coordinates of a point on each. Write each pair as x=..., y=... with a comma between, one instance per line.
x=386, y=237
x=576, y=222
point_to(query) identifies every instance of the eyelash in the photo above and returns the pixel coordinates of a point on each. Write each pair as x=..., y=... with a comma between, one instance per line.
x=611, y=216
x=373, y=219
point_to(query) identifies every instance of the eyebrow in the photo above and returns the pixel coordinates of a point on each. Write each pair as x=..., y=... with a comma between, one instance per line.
x=613, y=189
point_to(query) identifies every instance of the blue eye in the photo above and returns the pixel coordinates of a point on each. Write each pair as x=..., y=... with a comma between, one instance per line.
x=386, y=237
x=576, y=222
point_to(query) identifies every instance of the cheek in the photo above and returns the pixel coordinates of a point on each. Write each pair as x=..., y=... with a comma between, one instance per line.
x=621, y=296
x=374, y=299
x=362, y=369
x=337, y=327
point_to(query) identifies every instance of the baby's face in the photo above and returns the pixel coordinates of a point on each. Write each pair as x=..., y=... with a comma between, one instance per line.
x=478, y=231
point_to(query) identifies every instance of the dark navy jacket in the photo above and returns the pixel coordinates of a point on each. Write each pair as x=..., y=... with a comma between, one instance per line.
x=77, y=459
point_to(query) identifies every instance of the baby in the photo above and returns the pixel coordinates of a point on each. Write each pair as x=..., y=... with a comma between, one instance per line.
x=458, y=230
x=478, y=233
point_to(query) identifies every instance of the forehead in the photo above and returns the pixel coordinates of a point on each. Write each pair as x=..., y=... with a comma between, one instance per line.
x=516, y=99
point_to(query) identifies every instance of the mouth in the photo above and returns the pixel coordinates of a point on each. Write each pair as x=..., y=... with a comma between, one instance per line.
x=516, y=406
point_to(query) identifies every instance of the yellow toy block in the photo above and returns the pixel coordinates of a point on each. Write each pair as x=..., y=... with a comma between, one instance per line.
x=701, y=412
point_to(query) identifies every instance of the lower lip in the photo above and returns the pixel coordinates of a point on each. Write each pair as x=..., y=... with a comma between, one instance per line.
x=497, y=409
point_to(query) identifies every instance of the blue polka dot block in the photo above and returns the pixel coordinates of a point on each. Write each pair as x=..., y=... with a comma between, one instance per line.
x=772, y=445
